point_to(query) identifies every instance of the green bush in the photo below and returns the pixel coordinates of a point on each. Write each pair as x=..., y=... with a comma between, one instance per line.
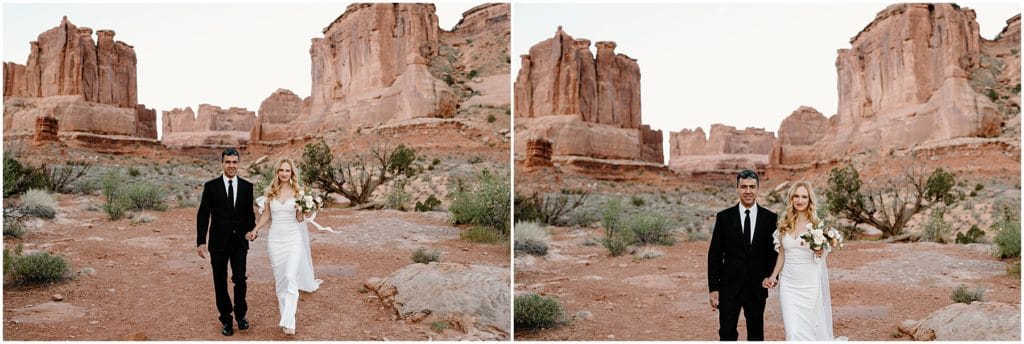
x=482, y=235
x=973, y=235
x=13, y=228
x=650, y=229
x=962, y=295
x=617, y=241
x=40, y=267
x=19, y=178
x=992, y=94
x=423, y=256
x=145, y=195
x=581, y=217
x=534, y=312
x=436, y=161
x=536, y=248
x=430, y=204
x=637, y=201
x=526, y=210
x=1007, y=229
x=38, y=203
x=491, y=118
x=978, y=187
x=397, y=199
x=611, y=214
x=134, y=172
x=936, y=229
x=472, y=74
x=484, y=203
x=117, y=207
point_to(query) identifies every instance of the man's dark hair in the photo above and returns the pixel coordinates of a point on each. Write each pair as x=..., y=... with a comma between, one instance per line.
x=229, y=151
x=747, y=174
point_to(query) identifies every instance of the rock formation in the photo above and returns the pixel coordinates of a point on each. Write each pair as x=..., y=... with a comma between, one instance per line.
x=373, y=67
x=87, y=86
x=909, y=78
x=586, y=106
x=474, y=297
x=213, y=126
x=983, y=321
x=726, y=149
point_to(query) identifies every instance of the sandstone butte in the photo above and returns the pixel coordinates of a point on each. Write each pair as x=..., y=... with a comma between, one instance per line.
x=365, y=80
x=917, y=74
x=75, y=87
x=581, y=105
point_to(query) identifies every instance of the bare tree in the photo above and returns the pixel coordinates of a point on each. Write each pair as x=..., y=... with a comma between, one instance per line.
x=360, y=175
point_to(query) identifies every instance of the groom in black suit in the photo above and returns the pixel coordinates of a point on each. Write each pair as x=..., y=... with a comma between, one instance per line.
x=226, y=212
x=741, y=256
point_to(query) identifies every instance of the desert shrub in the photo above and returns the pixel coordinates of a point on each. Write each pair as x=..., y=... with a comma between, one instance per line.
x=1007, y=229
x=637, y=201
x=40, y=267
x=435, y=161
x=889, y=204
x=144, y=195
x=647, y=253
x=531, y=231
x=423, y=256
x=963, y=295
x=992, y=94
x=13, y=228
x=143, y=218
x=697, y=236
x=533, y=312
x=973, y=235
x=10, y=257
x=62, y=178
x=19, y=178
x=536, y=248
x=484, y=203
x=1013, y=268
x=482, y=235
x=936, y=229
x=526, y=209
x=85, y=186
x=134, y=172
x=38, y=203
x=552, y=208
x=979, y=187
x=491, y=118
x=472, y=74
x=617, y=241
x=358, y=176
x=397, y=199
x=117, y=208
x=439, y=326
x=581, y=217
x=430, y=204
x=650, y=229
x=611, y=214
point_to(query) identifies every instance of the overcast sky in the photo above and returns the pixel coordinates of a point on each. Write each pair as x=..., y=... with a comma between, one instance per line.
x=225, y=54
x=744, y=65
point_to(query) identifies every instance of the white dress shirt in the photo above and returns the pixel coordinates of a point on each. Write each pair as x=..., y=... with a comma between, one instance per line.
x=234, y=186
x=753, y=219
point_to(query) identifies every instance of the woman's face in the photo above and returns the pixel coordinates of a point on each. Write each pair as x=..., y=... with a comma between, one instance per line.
x=284, y=172
x=801, y=199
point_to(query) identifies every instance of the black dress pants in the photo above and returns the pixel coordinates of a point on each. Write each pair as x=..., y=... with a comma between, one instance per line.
x=219, y=262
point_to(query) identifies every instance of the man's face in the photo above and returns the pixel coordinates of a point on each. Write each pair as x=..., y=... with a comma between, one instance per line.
x=230, y=165
x=748, y=191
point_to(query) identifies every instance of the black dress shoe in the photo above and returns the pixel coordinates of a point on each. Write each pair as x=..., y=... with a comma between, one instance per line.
x=227, y=330
x=243, y=324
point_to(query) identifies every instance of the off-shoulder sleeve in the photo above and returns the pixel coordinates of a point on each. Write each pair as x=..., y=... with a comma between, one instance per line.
x=776, y=240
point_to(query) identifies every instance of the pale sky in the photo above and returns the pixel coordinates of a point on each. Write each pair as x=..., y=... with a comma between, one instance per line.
x=224, y=54
x=744, y=65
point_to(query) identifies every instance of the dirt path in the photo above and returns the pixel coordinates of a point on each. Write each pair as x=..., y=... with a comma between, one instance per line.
x=150, y=284
x=875, y=286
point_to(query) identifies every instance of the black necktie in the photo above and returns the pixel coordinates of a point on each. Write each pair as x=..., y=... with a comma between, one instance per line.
x=230, y=194
x=746, y=227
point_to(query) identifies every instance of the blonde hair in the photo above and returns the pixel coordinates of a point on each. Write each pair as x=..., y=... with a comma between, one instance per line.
x=275, y=186
x=787, y=222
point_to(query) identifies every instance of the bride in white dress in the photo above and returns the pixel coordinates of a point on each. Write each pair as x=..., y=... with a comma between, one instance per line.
x=803, y=287
x=287, y=243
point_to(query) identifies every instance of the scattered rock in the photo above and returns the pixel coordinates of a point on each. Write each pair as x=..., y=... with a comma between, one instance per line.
x=585, y=315
x=57, y=297
x=987, y=321
x=87, y=272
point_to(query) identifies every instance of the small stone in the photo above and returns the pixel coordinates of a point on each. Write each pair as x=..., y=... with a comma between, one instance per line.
x=623, y=265
x=585, y=315
x=87, y=272
x=57, y=297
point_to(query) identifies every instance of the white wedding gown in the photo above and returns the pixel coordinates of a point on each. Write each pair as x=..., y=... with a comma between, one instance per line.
x=804, y=292
x=290, y=259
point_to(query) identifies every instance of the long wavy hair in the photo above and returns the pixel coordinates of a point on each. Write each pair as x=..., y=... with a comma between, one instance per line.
x=275, y=186
x=787, y=222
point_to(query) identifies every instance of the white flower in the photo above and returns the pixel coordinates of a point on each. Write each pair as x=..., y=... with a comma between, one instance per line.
x=819, y=238
x=809, y=226
x=318, y=199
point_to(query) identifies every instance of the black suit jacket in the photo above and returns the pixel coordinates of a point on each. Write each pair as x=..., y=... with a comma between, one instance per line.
x=227, y=225
x=733, y=267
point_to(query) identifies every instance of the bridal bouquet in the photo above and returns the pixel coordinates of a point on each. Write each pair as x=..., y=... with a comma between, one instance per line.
x=308, y=202
x=822, y=238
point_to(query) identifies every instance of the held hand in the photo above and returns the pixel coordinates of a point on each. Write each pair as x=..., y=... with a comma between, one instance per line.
x=200, y=249
x=298, y=214
x=251, y=236
x=714, y=300
x=818, y=253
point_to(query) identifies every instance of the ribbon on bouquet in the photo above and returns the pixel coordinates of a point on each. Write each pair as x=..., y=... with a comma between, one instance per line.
x=317, y=225
x=261, y=203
